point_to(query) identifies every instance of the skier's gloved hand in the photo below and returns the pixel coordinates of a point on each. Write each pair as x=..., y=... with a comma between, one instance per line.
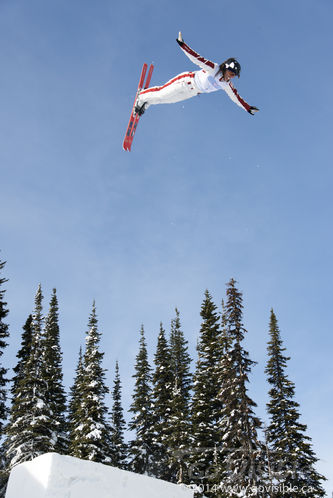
x=253, y=110
x=180, y=38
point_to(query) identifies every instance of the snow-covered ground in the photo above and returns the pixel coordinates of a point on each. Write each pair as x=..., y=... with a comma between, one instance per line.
x=56, y=476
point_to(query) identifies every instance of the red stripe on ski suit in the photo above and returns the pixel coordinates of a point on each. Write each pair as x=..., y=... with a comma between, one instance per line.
x=189, y=50
x=158, y=88
x=242, y=101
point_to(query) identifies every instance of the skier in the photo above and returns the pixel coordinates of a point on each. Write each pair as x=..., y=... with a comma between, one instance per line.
x=210, y=78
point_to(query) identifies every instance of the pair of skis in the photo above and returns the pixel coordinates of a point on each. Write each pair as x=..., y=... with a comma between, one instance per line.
x=134, y=118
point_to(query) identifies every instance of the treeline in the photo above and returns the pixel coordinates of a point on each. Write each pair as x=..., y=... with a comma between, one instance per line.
x=198, y=428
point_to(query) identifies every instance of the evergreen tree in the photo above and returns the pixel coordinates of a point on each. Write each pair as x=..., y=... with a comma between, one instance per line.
x=74, y=403
x=223, y=372
x=179, y=435
x=23, y=354
x=118, y=425
x=51, y=372
x=292, y=456
x=29, y=432
x=239, y=459
x=4, y=334
x=141, y=407
x=206, y=405
x=89, y=428
x=161, y=395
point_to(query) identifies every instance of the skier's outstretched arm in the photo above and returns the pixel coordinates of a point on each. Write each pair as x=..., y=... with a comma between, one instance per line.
x=209, y=66
x=235, y=97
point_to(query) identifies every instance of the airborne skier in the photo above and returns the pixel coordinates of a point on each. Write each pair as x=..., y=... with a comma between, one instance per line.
x=210, y=78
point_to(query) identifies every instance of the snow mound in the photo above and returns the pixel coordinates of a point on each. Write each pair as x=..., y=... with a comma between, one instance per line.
x=57, y=476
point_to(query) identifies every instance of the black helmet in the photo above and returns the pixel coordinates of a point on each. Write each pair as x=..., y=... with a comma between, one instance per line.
x=232, y=65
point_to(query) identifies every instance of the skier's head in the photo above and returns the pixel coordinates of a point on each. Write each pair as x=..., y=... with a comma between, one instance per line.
x=231, y=65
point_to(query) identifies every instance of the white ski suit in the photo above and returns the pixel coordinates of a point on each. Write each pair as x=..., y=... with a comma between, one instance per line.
x=189, y=84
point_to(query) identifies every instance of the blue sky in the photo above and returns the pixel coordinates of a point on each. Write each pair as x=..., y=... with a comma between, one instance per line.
x=207, y=193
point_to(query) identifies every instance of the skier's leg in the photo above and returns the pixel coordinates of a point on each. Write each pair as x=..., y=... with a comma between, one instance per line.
x=179, y=88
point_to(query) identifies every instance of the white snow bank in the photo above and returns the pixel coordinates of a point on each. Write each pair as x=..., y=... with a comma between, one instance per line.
x=56, y=476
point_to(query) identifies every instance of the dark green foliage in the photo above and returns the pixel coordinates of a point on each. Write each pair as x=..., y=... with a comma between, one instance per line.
x=161, y=396
x=29, y=432
x=74, y=403
x=240, y=458
x=118, y=425
x=4, y=334
x=51, y=372
x=171, y=398
x=37, y=416
x=89, y=434
x=141, y=447
x=23, y=354
x=292, y=460
x=206, y=405
x=75, y=395
x=179, y=435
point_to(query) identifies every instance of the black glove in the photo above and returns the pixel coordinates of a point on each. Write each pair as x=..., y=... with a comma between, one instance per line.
x=253, y=110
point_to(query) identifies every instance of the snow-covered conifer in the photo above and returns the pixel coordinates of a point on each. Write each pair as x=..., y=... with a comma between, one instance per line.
x=292, y=458
x=179, y=435
x=23, y=354
x=75, y=395
x=118, y=425
x=239, y=459
x=4, y=334
x=141, y=447
x=206, y=405
x=51, y=372
x=161, y=396
x=89, y=429
x=29, y=431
